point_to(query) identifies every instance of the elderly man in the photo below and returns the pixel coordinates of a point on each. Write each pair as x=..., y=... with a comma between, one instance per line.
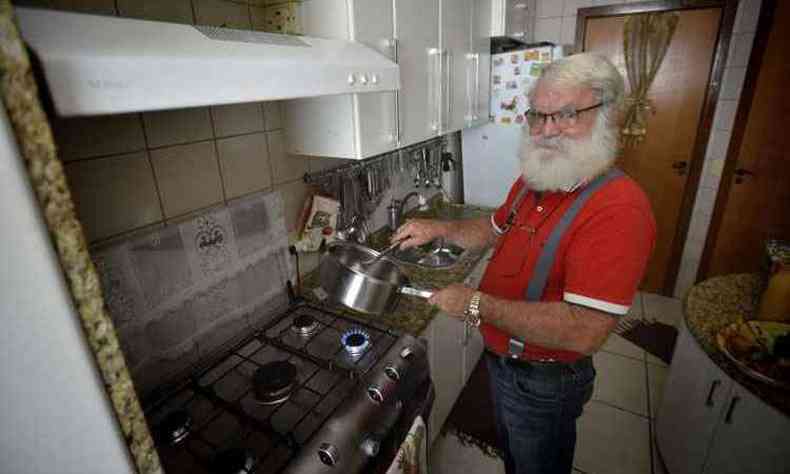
x=571, y=244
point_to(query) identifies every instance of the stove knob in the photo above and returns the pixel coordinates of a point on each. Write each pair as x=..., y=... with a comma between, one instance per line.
x=392, y=373
x=370, y=446
x=328, y=454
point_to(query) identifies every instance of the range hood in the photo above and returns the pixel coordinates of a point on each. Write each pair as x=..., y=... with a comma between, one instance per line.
x=97, y=65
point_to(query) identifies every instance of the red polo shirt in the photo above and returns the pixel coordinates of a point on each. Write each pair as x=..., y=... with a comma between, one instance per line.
x=599, y=263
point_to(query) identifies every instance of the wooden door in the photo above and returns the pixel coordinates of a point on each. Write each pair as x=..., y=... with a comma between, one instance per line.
x=753, y=203
x=661, y=162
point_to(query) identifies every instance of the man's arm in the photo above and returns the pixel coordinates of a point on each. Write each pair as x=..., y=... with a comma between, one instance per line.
x=554, y=325
x=469, y=233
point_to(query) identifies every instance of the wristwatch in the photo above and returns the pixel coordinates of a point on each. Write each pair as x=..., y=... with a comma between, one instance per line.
x=472, y=312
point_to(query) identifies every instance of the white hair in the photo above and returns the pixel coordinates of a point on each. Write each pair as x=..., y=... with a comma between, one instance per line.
x=588, y=70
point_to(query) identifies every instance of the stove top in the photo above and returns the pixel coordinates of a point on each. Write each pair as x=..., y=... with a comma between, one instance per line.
x=257, y=407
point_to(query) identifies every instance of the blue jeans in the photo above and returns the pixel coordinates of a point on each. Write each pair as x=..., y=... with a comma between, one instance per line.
x=535, y=409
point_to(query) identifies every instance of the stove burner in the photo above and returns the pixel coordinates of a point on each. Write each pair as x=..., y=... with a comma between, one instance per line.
x=234, y=461
x=355, y=341
x=176, y=427
x=274, y=382
x=304, y=325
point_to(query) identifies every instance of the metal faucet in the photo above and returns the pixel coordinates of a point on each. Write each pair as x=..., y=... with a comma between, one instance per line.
x=395, y=209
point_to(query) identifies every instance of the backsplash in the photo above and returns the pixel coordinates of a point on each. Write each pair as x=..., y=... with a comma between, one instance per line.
x=179, y=292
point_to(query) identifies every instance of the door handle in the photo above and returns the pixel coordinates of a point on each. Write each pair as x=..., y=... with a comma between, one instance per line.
x=740, y=173
x=713, y=386
x=680, y=167
x=734, y=401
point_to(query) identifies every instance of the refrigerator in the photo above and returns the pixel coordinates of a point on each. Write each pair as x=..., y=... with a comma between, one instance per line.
x=490, y=152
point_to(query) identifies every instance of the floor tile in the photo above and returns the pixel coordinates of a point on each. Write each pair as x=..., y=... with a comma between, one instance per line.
x=612, y=441
x=621, y=382
x=662, y=308
x=618, y=345
x=656, y=376
x=450, y=456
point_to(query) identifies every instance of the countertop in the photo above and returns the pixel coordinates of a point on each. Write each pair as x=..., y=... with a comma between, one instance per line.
x=717, y=302
x=413, y=315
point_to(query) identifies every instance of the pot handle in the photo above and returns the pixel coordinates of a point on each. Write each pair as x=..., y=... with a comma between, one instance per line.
x=408, y=290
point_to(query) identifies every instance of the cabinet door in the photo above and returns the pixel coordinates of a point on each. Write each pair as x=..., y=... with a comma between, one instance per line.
x=446, y=358
x=457, y=62
x=481, y=63
x=418, y=39
x=374, y=25
x=695, y=394
x=751, y=438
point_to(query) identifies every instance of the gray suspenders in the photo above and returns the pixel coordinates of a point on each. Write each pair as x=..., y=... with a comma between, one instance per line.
x=540, y=274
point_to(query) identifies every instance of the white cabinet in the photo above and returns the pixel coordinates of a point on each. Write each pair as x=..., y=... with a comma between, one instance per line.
x=750, y=438
x=453, y=352
x=465, y=46
x=709, y=424
x=419, y=58
x=446, y=361
x=348, y=125
x=443, y=51
x=480, y=84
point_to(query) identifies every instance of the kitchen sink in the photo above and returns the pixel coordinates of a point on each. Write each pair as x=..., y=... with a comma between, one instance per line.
x=433, y=255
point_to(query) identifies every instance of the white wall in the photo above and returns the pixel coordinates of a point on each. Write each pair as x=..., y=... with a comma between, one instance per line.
x=555, y=20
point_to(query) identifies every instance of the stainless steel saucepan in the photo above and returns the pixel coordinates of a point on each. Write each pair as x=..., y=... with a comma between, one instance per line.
x=350, y=276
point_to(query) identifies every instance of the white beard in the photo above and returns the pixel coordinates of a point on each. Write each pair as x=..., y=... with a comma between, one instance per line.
x=558, y=163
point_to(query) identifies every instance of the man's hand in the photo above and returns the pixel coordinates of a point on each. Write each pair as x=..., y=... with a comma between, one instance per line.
x=453, y=299
x=419, y=231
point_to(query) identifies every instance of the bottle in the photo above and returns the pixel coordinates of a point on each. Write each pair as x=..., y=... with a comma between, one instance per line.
x=775, y=300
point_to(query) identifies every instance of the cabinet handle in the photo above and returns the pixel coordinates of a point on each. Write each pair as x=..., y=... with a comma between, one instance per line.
x=713, y=386
x=733, y=402
x=477, y=87
x=470, y=94
x=434, y=85
x=448, y=87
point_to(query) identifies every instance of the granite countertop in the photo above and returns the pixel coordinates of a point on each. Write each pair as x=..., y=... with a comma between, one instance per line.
x=714, y=304
x=412, y=315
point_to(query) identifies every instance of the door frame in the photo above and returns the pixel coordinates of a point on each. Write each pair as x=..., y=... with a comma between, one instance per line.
x=699, y=149
x=764, y=25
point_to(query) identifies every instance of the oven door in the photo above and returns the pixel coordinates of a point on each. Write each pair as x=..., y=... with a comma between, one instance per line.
x=405, y=434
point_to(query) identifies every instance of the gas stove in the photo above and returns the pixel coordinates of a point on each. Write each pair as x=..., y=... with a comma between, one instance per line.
x=310, y=392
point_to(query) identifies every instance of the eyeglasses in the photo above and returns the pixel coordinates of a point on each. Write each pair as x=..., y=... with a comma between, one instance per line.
x=563, y=118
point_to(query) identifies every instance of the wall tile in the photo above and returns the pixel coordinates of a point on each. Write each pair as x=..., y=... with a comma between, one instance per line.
x=100, y=7
x=740, y=49
x=571, y=6
x=548, y=29
x=725, y=114
x=236, y=119
x=549, y=8
x=321, y=163
x=732, y=83
x=170, y=127
x=285, y=167
x=114, y=195
x=272, y=112
x=96, y=136
x=568, y=30
x=747, y=16
x=210, y=244
x=177, y=11
x=245, y=164
x=258, y=222
x=222, y=13
x=188, y=177
x=160, y=265
x=294, y=195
